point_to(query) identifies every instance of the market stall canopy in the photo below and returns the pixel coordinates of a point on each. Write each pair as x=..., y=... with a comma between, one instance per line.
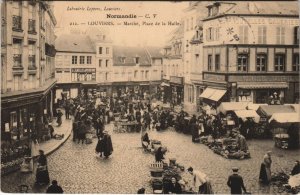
x=231, y=106
x=244, y=114
x=165, y=84
x=285, y=117
x=295, y=106
x=255, y=107
x=213, y=94
x=269, y=110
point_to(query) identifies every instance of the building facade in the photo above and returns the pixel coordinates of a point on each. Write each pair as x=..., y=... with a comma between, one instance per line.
x=172, y=89
x=27, y=66
x=89, y=63
x=251, y=53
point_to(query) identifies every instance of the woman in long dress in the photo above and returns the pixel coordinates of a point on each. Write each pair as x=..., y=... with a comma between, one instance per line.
x=108, y=148
x=42, y=174
x=265, y=169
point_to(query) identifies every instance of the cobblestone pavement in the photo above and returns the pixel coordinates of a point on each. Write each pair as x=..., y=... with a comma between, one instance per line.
x=78, y=170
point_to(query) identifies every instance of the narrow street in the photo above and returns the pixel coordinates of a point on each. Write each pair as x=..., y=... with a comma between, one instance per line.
x=78, y=170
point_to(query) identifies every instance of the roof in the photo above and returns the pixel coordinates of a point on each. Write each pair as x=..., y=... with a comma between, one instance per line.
x=285, y=117
x=130, y=53
x=286, y=8
x=231, y=106
x=269, y=110
x=74, y=43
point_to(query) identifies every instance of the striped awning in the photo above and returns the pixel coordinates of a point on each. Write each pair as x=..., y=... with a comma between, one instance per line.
x=262, y=85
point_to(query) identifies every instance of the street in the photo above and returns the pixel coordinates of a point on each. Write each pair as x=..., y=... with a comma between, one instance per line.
x=78, y=170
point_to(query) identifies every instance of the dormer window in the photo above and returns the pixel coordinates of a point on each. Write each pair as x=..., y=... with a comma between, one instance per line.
x=137, y=60
x=122, y=59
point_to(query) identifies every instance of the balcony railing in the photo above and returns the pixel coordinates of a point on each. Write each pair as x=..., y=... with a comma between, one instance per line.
x=31, y=26
x=17, y=23
x=31, y=62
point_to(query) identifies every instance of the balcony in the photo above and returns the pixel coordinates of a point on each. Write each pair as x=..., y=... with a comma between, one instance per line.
x=31, y=27
x=17, y=67
x=17, y=24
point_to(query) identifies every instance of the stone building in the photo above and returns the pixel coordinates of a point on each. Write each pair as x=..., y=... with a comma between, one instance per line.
x=251, y=52
x=27, y=66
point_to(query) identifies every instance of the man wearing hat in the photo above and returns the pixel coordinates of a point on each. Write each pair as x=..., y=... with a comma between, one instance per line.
x=235, y=182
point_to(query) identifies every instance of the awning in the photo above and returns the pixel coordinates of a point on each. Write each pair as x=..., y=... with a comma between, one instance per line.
x=165, y=84
x=295, y=106
x=269, y=110
x=213, y=94
x=255, y=107
x=231, y=106
x=262, y=85
x=285, y=117
x=244, y=114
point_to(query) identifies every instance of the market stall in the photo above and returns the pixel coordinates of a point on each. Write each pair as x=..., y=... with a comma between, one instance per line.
x=226, y=107
x=244, y=114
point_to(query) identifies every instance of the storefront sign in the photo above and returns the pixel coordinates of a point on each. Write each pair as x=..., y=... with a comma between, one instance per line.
x=177, y=80
x=262, y=78
x=214, y=77
x=83, y=70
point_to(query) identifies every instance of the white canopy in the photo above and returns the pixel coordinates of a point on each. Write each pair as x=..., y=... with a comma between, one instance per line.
x=285, y=117
x=296, y=107
x=213, y=94
x=231, y=106
x=244, y=114
x=165, y=84
x=252, y=106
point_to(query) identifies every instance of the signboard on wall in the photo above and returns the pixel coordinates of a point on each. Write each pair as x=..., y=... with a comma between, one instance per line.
x=177, y=80
x=83, y=70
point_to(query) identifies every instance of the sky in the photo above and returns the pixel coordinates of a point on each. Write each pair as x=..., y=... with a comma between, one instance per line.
x=150, y=35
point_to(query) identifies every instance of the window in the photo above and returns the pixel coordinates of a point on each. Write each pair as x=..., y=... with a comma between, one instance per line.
x=137, y=59
x=135, y=74
x=100, y=63
x=107, y=50
x=296, y=62
x=209, y=11
x=242, y=62
x=209, y=34
x=279, y=62
x=280, y=35
x=209, y=62
x=192, y=23
x=217, y=62
x=100, y=50
x=243, y=32
x=106, y=63
x=74, y=59
x=217, y=35
x=89, y=59
x=17, y=83
x=81, y=59
x=261, y=62
x=296, y=35
x=13, y=119
x=215, y=10
x=187, y=25
x=196, y=59
x=262, y=32
x=147, y=74
x=106, y=76
x=142, y=74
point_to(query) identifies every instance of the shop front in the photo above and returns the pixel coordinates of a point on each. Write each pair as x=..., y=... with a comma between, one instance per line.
x=177, y=92
x=23, y=116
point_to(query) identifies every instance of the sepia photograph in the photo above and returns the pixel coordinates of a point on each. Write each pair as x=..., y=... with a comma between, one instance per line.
x=150, y=97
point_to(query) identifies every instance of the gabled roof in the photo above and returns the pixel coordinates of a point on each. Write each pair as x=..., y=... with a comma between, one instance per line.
x=285, y=8
x=130, y=53
x=74, y=43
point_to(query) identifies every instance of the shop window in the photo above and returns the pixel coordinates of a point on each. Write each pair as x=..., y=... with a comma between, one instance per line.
x=209, y=62
x=242, y=64
x=296, y=62
x=261, y=62
x=279, y=62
